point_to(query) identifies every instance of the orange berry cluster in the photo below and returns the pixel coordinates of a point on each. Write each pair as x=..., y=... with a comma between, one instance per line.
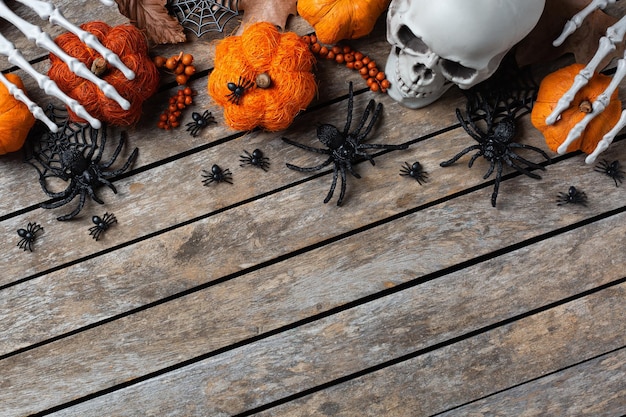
x=170, y=118
x=343, y=54
x=181, y=65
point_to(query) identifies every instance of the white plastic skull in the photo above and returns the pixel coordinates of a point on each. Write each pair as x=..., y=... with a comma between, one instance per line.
x=439, y=43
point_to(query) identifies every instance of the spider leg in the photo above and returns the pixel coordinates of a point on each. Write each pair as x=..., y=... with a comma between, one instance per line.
x=352, y=171
x=92, y=194
x=510, y=162
x=77, y=210
x=342, y=193
x=307, y=148
x=131, y=159
x=532, y=148
x=460, y=154
x=368, y=129
x=311, y=169
x=491, y=167
x=471, y=129
x=496, y=185
x=332, y=186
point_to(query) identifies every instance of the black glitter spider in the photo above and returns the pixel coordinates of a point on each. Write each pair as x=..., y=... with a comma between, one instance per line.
x=344, y=147
x=217, y=174
x=415, y=171
x=612, y=170
x=495, y=142
x=102, y=224
x=200, y=121
x=74, y=154
x=28, y=235
x=238, y=89
x=573, y=196
x=255, y=158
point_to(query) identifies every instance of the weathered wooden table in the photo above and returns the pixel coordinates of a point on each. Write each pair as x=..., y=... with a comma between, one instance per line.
x=257, y=299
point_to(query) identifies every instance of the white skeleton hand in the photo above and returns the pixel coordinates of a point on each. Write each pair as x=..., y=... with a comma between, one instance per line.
x=614, y=35
x=48, y=11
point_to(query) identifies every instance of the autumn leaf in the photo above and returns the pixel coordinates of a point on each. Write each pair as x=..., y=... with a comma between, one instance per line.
x=583, y=44
x=276, y=12
x=152, y=17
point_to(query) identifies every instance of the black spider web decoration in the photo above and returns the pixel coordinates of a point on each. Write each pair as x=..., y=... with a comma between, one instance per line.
x=202, y=16
x=44, y=147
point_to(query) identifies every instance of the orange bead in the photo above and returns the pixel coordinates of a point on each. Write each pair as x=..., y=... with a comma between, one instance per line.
x=349, y=57
x=315, y=48
x=385, y=84
x=374, y=87
x=313, y=39
x=380, y=76
x=190, y=70
x=340, y=59
x=358, y=56
x=364, y=71
x=330, y=55
x=323, y=51
x=181, y=79
x=347, y=49
x=373, y=72
x=371, y=64
x=366, y=60
x=350, y=65
x=358, y=64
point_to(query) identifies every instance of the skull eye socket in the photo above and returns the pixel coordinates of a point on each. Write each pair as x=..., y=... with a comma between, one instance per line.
x=454, y=70
x=410, y=41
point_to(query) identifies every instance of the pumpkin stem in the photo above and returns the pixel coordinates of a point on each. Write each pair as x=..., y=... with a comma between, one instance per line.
x=585, y=106
x=99, y=66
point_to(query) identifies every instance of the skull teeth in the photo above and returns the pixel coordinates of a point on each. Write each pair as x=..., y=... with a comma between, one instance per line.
x=410, y=90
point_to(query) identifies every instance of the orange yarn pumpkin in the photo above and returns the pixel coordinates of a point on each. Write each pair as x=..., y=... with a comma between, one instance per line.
x=335, y=20
x=552, y=88
x=261, y=49
x=15, y=118
x=132, y=48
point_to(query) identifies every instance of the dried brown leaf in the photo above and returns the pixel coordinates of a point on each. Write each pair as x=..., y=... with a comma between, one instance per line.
x=152, y=17
x=583, y=44
x=275, y=12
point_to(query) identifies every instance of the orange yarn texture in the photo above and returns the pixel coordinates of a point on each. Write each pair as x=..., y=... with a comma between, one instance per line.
x=131, y=46
x=263, y=49
x=15, y=118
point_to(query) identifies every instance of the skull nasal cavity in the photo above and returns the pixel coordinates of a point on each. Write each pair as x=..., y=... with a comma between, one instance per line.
x=410, y=41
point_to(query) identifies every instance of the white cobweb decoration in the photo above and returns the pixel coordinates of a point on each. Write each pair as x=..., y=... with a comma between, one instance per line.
x=202, y=16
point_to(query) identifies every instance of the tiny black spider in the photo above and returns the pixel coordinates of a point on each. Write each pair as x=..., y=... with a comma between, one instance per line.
x=344, y=147
x=28, y=236
x=612, y=170
x=200, y=121
x=573, y=196
x=496, y=145
x=217, y=174
x=255, y=158
x=416, y=171
x=101, y=224
x=238, y=89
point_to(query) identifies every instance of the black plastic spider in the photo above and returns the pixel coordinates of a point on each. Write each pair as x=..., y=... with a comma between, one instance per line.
x=495, y=143
x=415, y=171
x=217, y=174
x=200, y=121
x=612, y=170
x=238, y=89
x=102, y=224
x=74, y=154
x=28, y=236
x=573, y=196
x=255, y=158
x=344, y=147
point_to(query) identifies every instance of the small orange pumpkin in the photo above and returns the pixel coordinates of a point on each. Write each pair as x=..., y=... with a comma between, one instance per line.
x=335, y=20
x=130, y=44
x=552, y=88
x=274, y=71
x=15, y=118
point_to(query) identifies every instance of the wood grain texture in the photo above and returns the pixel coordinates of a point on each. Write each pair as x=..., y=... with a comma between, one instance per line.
x=594, y=388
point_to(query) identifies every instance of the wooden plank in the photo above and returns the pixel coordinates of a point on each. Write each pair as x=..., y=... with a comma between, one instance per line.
x=594, y=388
x=203, y=251
x=469, y=330
x=161, y=189
x=264, y=301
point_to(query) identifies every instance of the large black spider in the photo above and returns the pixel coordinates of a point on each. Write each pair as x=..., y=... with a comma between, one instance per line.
x=573, y=196
x=238, y=89
x=256, y=158
x=74, y=154
x=495, y=143
x=200, y=121
x=28, y=236
x=344, y=147
x=612, y=170
x=102, y=224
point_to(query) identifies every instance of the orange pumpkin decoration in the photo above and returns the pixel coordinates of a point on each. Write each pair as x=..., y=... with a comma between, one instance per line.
x=131, y=46
x=335, y=20
x=552, y=88
x=274, y=71
x=15, y=118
